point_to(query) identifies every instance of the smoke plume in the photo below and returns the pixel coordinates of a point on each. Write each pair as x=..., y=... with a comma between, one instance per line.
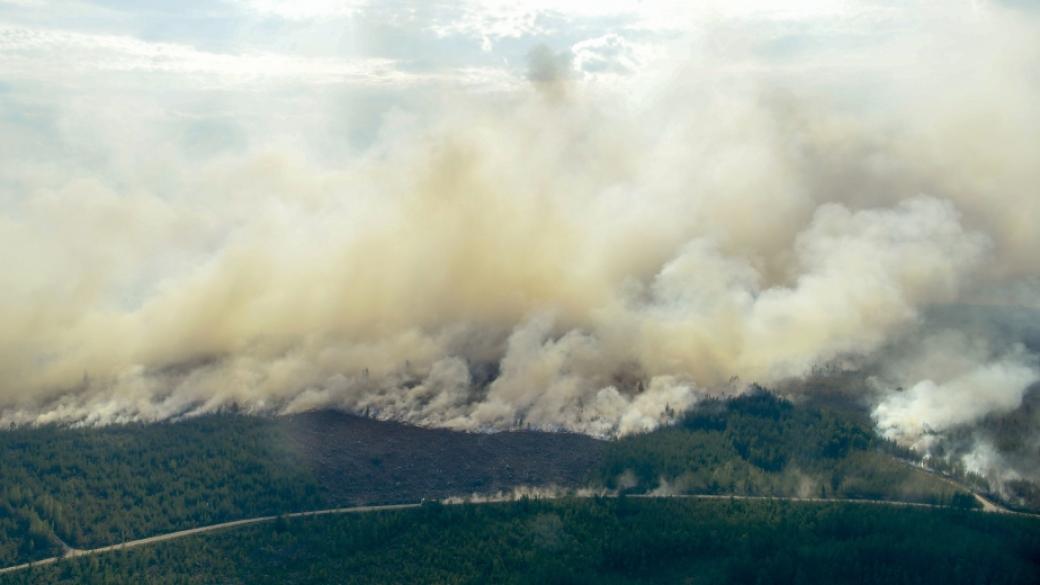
x=595, y=259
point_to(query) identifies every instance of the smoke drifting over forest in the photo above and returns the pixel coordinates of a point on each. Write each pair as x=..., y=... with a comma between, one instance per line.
x=570, y=251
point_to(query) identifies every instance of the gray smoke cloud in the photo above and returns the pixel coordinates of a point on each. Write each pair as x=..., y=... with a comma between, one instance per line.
x=587, y=262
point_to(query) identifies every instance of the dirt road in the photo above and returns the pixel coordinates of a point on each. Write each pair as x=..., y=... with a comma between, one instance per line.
x=76, y=552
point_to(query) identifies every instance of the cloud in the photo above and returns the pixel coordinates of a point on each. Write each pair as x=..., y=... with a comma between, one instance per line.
x=304, y=9
x=610, y=54
x=25, y=49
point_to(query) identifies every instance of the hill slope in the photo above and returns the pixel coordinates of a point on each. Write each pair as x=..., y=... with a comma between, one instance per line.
x=759, y=444
x=93, y=487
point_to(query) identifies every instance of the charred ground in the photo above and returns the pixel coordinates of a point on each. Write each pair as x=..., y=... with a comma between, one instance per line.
x=357, y=459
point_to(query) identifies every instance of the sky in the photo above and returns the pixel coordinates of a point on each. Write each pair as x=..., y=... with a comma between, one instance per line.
x=212, y=78
x=483, y=215
x=215, y=71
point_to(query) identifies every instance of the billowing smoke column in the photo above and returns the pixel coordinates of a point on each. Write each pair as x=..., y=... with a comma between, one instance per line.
x=561, y=258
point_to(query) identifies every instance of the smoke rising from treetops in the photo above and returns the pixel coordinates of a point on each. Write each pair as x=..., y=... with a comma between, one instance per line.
x=565, y=254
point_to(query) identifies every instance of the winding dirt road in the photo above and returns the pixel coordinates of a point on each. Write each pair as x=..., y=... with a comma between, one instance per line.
x=77, y=552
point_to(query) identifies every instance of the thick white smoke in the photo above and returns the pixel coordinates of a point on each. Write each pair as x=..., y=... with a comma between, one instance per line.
x=560, y=256
x=951, y=381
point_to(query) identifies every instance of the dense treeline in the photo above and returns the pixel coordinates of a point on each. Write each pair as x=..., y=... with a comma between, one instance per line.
x=625, y=540
x=93, y=487
x=90, y=487
x=759, y=444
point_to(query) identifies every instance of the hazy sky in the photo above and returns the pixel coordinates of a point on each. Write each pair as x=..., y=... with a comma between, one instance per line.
x=213, y=77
